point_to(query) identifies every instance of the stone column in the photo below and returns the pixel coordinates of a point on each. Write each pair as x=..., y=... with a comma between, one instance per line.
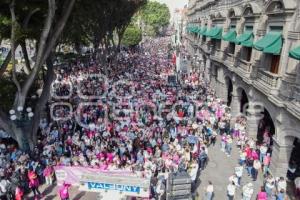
x=207, y=70
x=217, y=88
x=223, y=92
x=280, y=158
x=253, y=118
x=235, y=106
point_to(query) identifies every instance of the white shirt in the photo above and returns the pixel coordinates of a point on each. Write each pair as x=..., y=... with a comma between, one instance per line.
x=281, y=185
x=3, y=185
x=239, y=171
x=210, y=189
x=247, y=191
x=231, y=189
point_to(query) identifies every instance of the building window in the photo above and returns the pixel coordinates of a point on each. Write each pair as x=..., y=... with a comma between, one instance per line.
x=216, y=44
x=231, y=48
x=246, y=53
x=275, y=64
x=248, y=28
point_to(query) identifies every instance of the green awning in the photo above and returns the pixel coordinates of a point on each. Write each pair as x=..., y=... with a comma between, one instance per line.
x=198, y=31
x=295, y=53
x=270, y=43
x=215, y=33
x=245, y=39
x=203, y=30
x=194, y=29
x=230, y=36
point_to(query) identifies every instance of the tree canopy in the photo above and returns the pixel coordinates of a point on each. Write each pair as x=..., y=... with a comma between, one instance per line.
x=47, y=24
x=156, y=15
x=132, y=36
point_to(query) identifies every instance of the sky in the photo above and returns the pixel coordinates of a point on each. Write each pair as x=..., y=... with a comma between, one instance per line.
x=173, y=4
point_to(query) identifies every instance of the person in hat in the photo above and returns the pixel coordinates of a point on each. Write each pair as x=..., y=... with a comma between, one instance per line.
x=248, y=191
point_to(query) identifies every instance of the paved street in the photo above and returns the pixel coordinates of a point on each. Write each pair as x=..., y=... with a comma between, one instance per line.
x=219, y=169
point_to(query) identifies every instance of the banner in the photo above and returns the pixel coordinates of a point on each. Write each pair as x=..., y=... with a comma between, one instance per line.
x=115, y=185
x=72, y=174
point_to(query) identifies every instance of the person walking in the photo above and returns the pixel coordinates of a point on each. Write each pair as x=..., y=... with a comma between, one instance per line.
x=248, y=191
x=228, y=145
x=19, y=193
x=270, y=186
x=209, y=191
x=202, y=158
x=249, y=166
x=262, y=195
x=48, y=174
x=231, y=191
x=34, y=183
x=256, y=168
x=64, y=191
x=239, y=173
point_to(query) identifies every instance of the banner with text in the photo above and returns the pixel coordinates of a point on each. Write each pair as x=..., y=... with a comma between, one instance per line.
x=73, y=174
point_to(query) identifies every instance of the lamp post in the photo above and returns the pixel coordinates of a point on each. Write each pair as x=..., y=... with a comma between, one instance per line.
x=21, y=120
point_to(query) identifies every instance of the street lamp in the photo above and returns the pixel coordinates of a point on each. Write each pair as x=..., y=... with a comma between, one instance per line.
x=21, y=118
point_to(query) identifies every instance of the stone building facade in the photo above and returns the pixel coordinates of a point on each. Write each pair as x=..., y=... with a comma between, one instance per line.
x=244, y=48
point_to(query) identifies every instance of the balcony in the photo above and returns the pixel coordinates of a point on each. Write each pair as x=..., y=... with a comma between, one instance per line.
x=229, y=60
x=206, y=48
x=297, y=94
x=243, y=68
x=294, y=106
x=268, y=78
x=216, y=55
x=267, y=82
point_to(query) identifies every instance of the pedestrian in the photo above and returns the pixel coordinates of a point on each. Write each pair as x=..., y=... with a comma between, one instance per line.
x=202, y=158
x=228, y=145
x=48, y=174
x=281, y=184
x=262, y=152
x=223, y=142
x=214, y=138
x=262, y=195
x=64, y=191
x=281, y=195
x=249, y=166
x=270, y=185
x=19, y=193
x=209, y=191
x=4, y=185
x=248, y=191
x=33, y=183
x=256, y=168
x=266, y=163
x=231, y=191
x=239, y=173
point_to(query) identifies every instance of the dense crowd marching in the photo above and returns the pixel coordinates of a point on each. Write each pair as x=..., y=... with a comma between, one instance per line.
x=134, y=119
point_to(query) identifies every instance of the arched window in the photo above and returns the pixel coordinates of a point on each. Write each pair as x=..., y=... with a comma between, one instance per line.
x=248, y=11
x=275, y=7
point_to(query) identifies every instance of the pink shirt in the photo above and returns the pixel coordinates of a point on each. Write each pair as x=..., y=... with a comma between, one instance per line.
x=262, y=196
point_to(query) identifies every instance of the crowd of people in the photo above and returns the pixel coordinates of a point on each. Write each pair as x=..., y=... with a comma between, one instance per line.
x=128, y=116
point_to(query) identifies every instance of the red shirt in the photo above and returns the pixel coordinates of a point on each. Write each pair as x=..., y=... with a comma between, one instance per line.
x=180, y=114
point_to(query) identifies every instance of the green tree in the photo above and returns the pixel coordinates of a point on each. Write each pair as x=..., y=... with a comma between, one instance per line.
x=49, y=23
x=132, y=36
x=156, y=15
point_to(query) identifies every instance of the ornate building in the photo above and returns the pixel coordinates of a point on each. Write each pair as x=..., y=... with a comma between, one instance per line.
x=250, y=53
